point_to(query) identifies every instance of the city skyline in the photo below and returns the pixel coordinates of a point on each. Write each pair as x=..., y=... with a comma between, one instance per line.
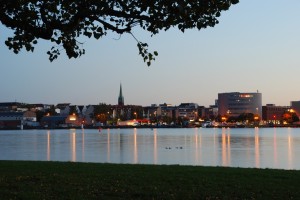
x=254, y=47
x=120, y=101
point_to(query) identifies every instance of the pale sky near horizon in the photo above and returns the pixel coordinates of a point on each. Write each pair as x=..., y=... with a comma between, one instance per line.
x=255, y=46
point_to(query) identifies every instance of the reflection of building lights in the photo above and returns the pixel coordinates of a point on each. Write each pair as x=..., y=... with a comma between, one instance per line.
x=135, y=152
x=290, y=150
x=225, y=148
x=256, y=147
x=197, y=146
x=228, y=148
x=155, y=146
x=275, y=148
x=82, y=144
x=73, y=140
x=108, y=145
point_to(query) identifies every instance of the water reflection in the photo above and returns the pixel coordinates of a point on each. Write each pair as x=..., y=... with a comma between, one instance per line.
x=226, y=147
x=154, y=146
x=275, y=147
x=82, y=143
x=73, y=145
x=135, y=151
x=260, y=148
x=48, y=146
x=290, y=149
x=197, y=146
x=108, y=145
x=257, y=153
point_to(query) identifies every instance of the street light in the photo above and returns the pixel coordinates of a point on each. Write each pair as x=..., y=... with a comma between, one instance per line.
x=135, y=115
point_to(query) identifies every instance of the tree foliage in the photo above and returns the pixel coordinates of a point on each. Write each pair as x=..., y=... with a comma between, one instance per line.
x=101, y=109
x=101, y=112
x=246, y=117
x=290, y=117
x=63, y=22
x=73, y=110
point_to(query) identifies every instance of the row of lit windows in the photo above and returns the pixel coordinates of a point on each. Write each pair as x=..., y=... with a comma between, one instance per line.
x=239, y=100
x=237, y=109
x=246, y=95
x=242, y=95
x=240, y=104
x=276, y=109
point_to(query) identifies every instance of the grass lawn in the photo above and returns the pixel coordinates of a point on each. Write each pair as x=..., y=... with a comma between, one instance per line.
x=68, y=180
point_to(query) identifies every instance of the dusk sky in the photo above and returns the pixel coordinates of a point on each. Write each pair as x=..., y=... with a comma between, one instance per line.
x=255, y=46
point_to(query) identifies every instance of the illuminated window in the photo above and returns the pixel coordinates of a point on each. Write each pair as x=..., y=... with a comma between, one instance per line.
x=246, y=95
x=72, y=118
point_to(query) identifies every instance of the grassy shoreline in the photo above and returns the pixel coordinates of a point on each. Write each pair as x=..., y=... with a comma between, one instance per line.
x=68, y=180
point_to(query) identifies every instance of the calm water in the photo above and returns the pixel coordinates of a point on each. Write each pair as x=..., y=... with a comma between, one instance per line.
x=259, y=148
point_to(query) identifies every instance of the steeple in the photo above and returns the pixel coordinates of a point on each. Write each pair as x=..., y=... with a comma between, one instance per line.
x=121, y=98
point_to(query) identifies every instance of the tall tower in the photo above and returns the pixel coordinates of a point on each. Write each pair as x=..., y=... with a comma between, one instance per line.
x=121, y=98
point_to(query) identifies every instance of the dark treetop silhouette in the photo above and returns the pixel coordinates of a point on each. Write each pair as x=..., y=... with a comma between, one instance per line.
x=63, y=22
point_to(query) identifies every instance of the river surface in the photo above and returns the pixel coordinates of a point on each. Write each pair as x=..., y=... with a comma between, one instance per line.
x=277, y=148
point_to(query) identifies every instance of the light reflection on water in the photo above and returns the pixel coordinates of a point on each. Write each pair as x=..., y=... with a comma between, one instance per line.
x=258, y=147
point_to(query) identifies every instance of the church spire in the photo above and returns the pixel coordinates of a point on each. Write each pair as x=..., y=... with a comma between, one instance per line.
x=121, y=98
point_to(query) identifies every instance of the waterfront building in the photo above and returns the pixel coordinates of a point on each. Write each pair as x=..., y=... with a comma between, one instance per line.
x=53, y=121
x=62, y=105
x=233, y=104
x=88, y=115
x=165, y=110
x=188, y=111
x=209, y=113
x=9, y=106
x=295, y=105
x=64, y=111
x=61, y=108
x=150, y=112
x=273, y=114
x=166, y=113
x=127, y=112
x=124, y=112
x=39, y=107
x=17, y=119
x=74, y=120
